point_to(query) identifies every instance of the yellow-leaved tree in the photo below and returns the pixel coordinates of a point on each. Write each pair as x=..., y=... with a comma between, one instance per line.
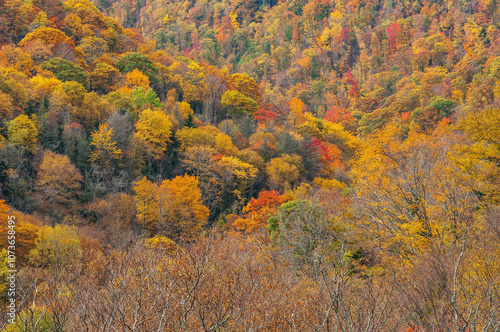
x=92, y=111
x=206, y=136
x=22, y=132
x=480, y=160
x=173, y=207
x=104, y=149
x=297, y=108
x=57, y=248
x=284, y=172
x=154, y=129
x=222, y=178
x=246, y=85
x=409, y=193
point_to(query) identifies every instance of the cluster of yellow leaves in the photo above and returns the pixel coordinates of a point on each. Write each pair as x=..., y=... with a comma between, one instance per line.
x=88, y=13
x=185, y=109
x=326, y=131
x=16, y=58
x=163, y=243
x=74, y=92
x=188, y=137
x=233, y=17
x=104, y=77
x=297, y=108
x=237, y=104
x=44, y=85
x=57, y=247
x=242, y=173
x=136, y=79
x=329, y=183
x=474, y=45
x=433, y=47
x=220, y=175
x=49, y=36
x=92, y=111
x=246, y=85
x=344, y=140
x=208, y=136
x=5, y=105
x=263, y=140
x=190, y=77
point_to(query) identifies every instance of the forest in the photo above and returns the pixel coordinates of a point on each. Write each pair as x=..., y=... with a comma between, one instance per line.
x=250, y=165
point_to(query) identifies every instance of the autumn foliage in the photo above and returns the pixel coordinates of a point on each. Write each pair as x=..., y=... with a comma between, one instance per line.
x=225, y=165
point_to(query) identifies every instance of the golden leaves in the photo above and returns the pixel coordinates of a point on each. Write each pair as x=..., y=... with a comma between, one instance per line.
x=154, y=128
x=136, y=79
x=173, y=207
x=104, y=147
x=22, y=131
x=284, y=172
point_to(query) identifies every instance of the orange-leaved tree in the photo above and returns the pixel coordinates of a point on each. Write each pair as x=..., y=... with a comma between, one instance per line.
x=257, y=211
x=26, y=230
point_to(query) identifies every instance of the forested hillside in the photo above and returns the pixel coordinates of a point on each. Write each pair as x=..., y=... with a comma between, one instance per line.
x=250, y=165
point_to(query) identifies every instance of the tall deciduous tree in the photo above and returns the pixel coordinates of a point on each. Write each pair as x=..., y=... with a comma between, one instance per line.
x=481, y=159
x=246, y=85
x=237, y=104
x=411, y=194
x=154, y=128
x=93, y=48
x=222, y=179
x=22, y=131
x=57, y=248
x=136, y=79
x=173, y=207
x=53, y=38
x=57, y=185
x=284, y=172
x=104, y=77
x=104, y=146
